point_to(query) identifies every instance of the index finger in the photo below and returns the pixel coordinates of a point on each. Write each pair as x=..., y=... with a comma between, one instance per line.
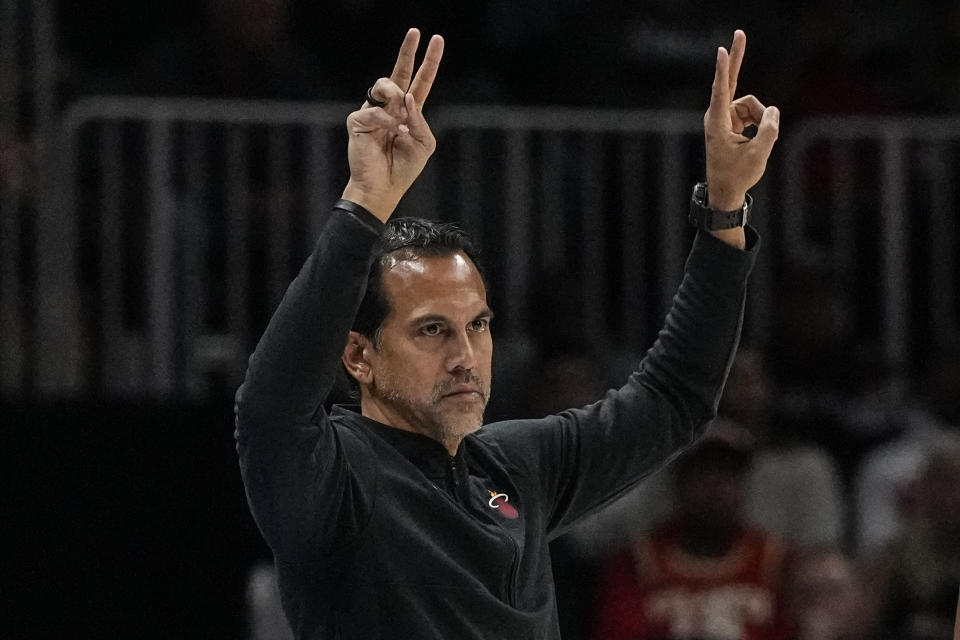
x=427, y=72
x=403, y=68
x=720, y=92
x=737, y=49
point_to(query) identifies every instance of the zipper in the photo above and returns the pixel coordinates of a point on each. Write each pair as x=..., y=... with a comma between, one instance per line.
x=515, y=570
x=453, y=473
x=455, y=482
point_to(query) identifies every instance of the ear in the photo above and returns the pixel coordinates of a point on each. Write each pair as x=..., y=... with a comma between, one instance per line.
x=355, y=359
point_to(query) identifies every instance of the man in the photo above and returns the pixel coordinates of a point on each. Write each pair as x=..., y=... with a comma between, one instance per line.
x=402, y=518
x=916, y=575
x=827, y=598
x=703, y=572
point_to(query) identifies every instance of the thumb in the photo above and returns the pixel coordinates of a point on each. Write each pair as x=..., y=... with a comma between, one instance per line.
x=369, y=120
x=768, y=130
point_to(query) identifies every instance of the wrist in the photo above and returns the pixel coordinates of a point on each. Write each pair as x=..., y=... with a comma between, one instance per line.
x=380, y=203
x=706, y=215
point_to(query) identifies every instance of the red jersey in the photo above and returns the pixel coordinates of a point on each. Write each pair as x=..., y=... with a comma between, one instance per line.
x=655, y=589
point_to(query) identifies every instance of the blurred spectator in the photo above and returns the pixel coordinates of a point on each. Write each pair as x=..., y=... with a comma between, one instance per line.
x=793, y=488
x=918, y=574
x=833, y=387
x=826, y=598
x=883, y=485
x=704, y=572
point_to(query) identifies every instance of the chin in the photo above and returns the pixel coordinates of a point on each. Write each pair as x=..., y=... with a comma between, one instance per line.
x=465, y=426
x=461, y=424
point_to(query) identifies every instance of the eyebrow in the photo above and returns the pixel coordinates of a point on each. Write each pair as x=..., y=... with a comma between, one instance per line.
x=486, y=313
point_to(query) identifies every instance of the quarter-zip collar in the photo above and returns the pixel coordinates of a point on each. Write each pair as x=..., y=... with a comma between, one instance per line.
x=451, y=473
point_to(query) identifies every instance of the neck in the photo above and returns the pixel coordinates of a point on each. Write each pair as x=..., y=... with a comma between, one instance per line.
x=388, y=414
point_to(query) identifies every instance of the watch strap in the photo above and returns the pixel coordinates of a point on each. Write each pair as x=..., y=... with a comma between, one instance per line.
x=703, y=217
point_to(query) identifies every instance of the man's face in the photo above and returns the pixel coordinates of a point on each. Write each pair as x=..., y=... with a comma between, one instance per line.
x=711, y=494
x=431, y=373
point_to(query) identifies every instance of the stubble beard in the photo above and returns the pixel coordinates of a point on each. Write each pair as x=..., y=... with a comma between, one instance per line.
x=443, y=420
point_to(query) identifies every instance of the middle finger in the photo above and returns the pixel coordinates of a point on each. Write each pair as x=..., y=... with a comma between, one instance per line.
x=427, y=72
x=736, y=58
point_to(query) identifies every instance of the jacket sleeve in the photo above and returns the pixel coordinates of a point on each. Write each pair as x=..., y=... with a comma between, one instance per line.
x=581, y=459
x=307, y=483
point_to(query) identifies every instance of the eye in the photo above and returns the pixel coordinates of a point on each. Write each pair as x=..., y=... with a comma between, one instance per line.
x=480, y=324
x=432, y=329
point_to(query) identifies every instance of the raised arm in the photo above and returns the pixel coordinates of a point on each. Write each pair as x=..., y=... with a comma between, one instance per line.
x=735, y=162
x=295, y=468
x=390, y=142
x=584, y=457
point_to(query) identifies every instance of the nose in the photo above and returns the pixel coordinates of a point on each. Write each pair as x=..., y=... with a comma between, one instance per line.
x=462, y=353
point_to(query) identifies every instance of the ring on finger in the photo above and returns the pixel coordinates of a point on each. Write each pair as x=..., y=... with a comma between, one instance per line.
x=373, y=101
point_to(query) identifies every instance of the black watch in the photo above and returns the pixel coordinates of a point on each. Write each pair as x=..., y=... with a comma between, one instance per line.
x=703, y=217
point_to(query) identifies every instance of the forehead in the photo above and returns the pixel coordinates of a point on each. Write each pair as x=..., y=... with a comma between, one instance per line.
x=446, y=285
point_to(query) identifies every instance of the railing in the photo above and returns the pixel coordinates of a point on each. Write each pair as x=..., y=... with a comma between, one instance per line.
x=887, y=190
x=180, y=223
x=193, y=218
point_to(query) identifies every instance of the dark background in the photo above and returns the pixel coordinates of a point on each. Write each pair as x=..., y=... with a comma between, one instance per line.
x=813, y=57
x=126, y=518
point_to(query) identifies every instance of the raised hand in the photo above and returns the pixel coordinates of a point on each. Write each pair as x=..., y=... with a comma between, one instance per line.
x=390, y=144
x=734, y=162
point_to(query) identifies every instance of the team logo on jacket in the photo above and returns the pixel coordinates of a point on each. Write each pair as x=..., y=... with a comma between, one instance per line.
x=501, y=501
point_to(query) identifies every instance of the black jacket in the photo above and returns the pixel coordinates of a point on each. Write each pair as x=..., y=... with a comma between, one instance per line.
x=380, y=533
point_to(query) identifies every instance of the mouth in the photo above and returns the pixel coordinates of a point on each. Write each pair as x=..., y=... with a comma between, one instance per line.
x=473, y=393
x=464, y=392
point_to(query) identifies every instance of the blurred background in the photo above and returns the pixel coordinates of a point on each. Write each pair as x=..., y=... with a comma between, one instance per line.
x=164, y=168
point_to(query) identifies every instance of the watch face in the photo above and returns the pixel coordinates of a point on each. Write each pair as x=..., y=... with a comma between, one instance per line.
x=700, y=193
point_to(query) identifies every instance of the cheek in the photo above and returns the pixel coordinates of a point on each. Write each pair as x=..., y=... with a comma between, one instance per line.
x=484, y=350
x=414, y=371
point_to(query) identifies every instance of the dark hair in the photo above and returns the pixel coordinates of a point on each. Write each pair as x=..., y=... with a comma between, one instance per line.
x=407, y=239
x=712, y=454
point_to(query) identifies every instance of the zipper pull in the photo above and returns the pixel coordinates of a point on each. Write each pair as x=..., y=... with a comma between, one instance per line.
x=453, y=472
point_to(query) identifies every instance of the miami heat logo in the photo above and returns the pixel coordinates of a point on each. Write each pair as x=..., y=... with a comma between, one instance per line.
x=501, y=501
